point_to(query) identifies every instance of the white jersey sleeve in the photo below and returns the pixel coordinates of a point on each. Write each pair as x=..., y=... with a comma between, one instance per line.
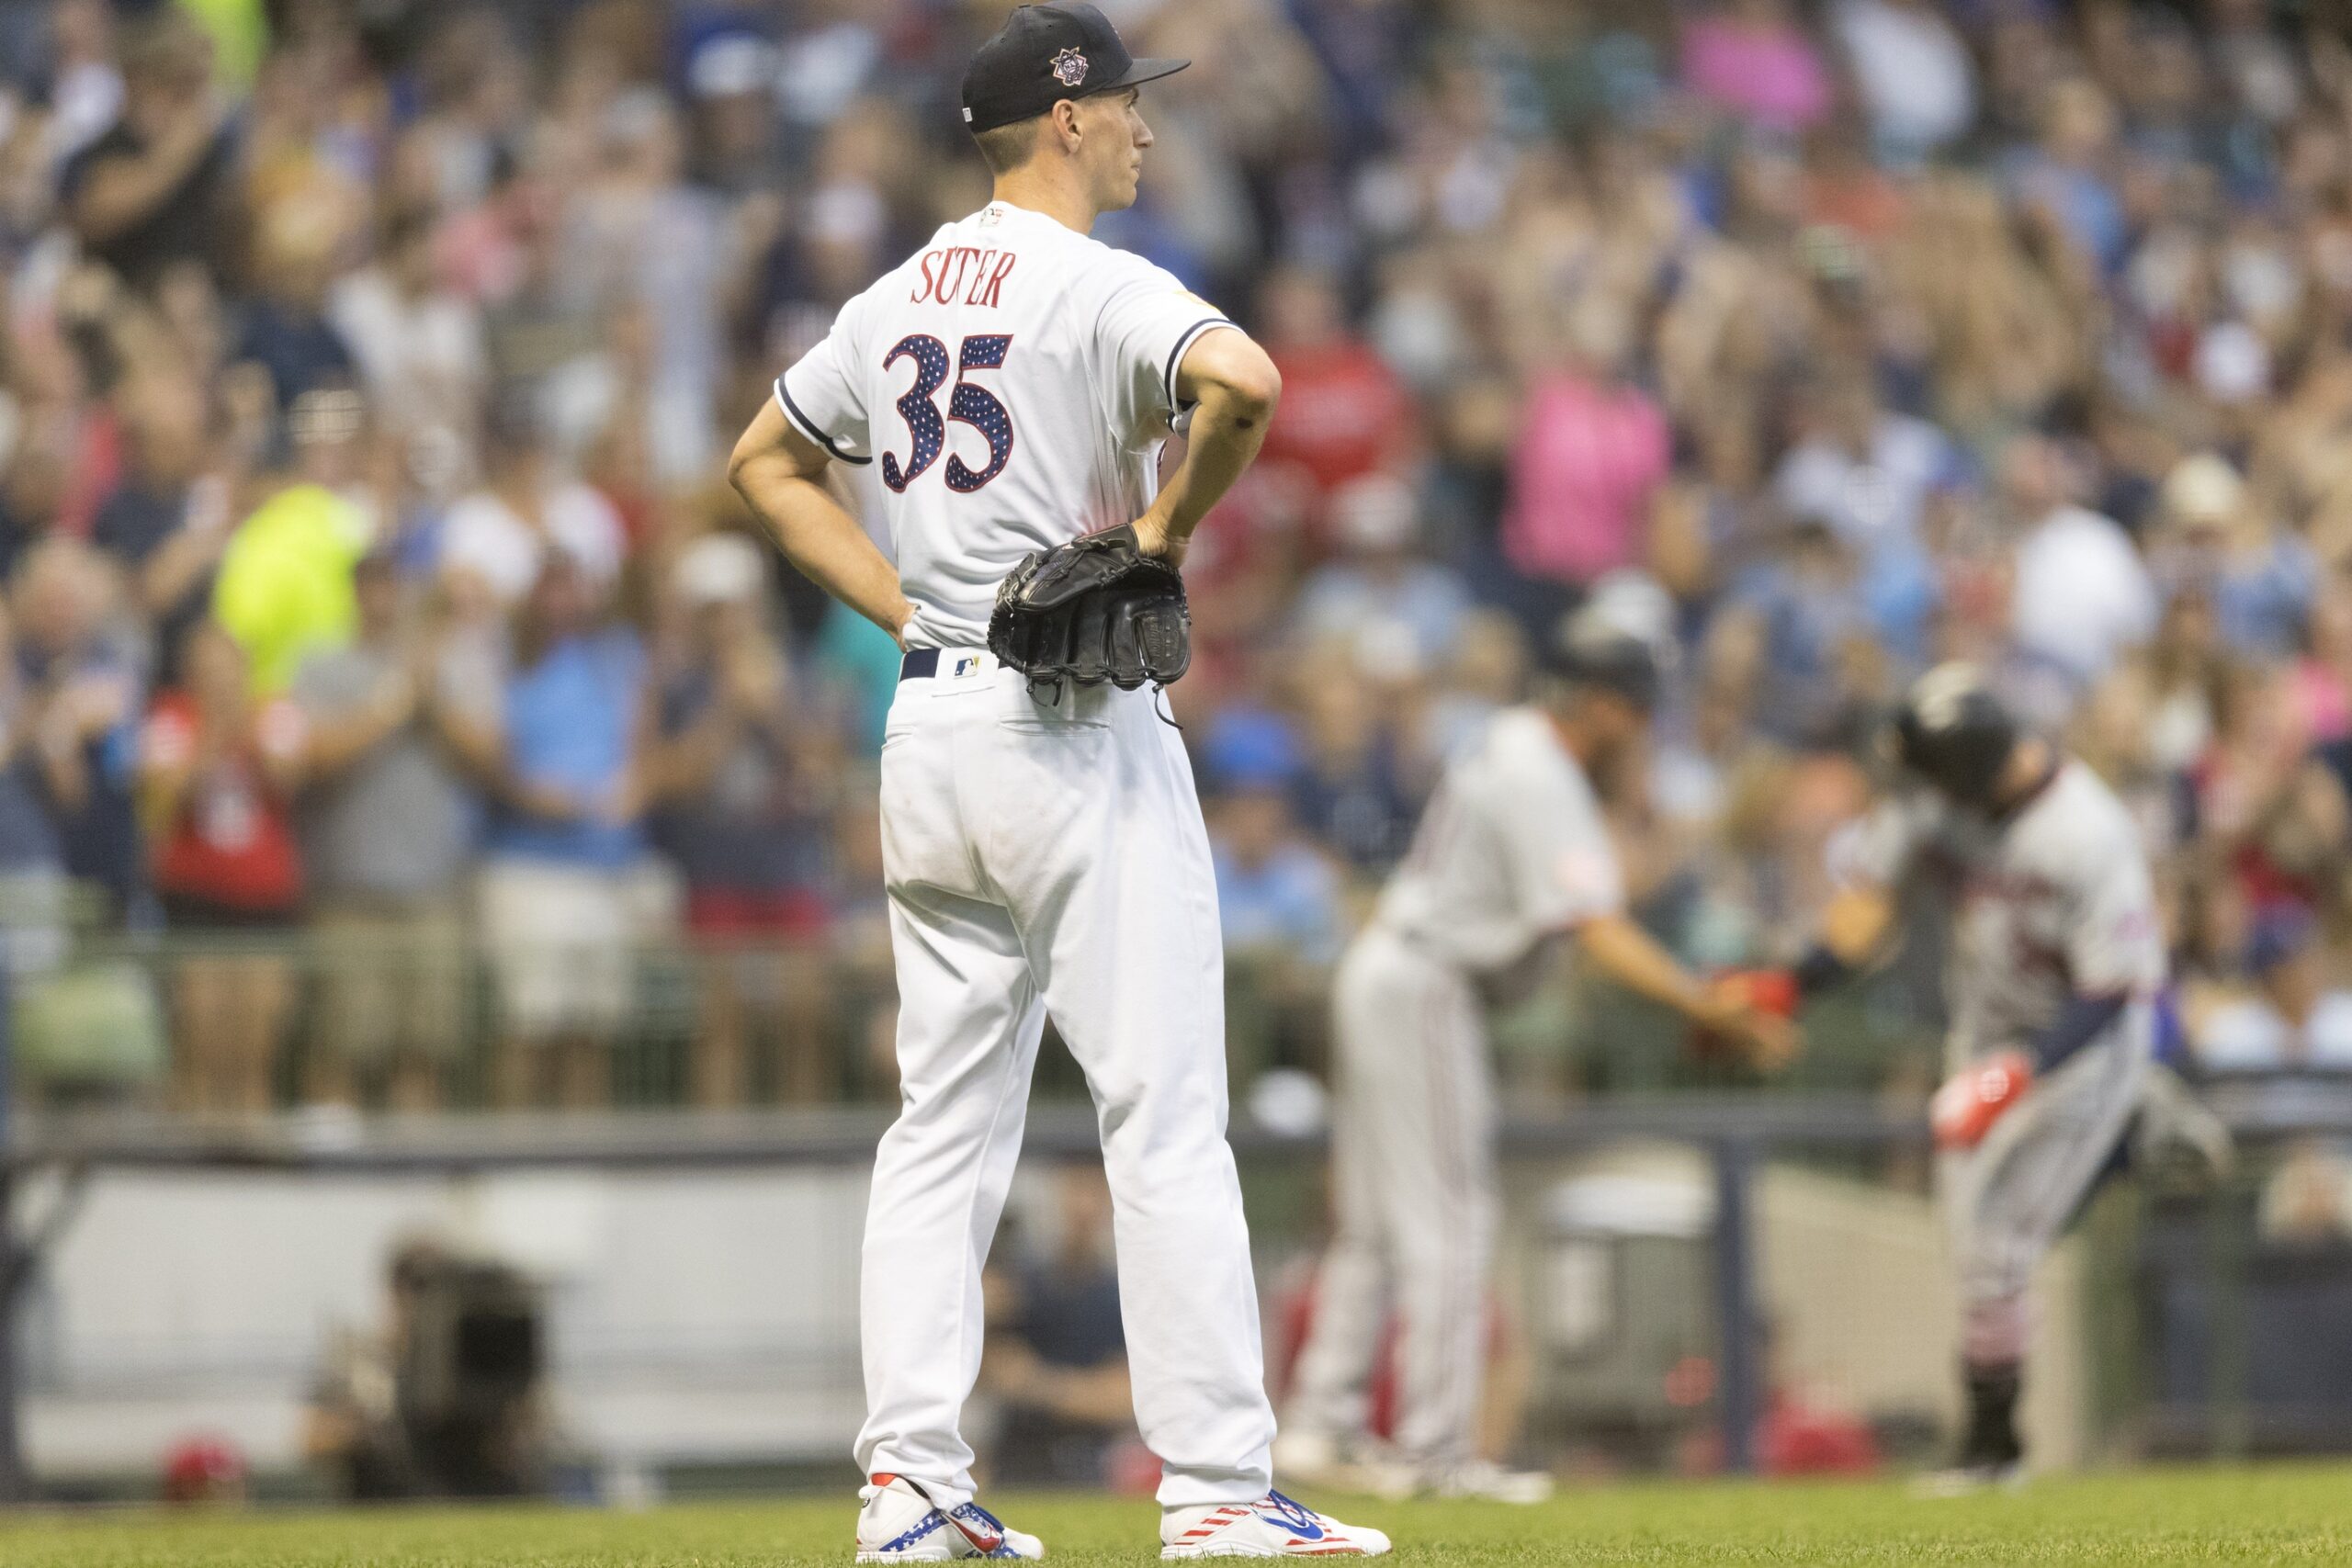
x=824, y=394
x=1148, y=320
x=1512, y=851
x=1563, y=866
x=2053, y=902
x=2115, y=940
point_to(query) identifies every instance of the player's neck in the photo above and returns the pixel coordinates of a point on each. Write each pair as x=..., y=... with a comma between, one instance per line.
x=1039, y=186
x=2032, y=768
x=1571, y=737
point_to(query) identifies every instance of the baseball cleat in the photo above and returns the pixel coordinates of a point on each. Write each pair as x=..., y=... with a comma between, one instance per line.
x=1970, y=1480
x=1274, y=1526
x=899, y=1523
x=1478, y=1481
x=1484, y=1480
x=1315, y=1459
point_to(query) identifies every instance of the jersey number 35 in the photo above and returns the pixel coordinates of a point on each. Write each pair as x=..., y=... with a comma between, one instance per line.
x=968, y=404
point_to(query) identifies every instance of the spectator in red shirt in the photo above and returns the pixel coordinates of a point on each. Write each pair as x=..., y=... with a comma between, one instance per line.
x=215, y=774
x=1344, y=411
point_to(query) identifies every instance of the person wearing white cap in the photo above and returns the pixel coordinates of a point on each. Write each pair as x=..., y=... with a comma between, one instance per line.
x=2220, y=541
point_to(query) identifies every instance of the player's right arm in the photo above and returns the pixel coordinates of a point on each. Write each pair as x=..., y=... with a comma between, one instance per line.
x=1232, y=388
x=781, y=475
x=1619, y=949
x=1564, y=876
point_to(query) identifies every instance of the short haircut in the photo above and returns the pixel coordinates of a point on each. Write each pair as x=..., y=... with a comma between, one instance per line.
x=1005, y=148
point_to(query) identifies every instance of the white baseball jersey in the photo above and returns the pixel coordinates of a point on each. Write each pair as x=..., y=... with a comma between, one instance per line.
x=1014, y=381
x=1511, y=851
x=2055, y=902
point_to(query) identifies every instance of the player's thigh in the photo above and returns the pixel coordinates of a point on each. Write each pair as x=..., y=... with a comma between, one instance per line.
x=968, y=1009
x=1414, y=1078
x=2038, y=1164
x=1085, y=821
x=923, y=842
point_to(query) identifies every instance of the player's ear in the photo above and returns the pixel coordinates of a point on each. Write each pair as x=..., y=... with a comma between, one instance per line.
x=1062, y=121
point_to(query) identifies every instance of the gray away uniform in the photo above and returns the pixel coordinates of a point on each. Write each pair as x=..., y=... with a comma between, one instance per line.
x=2053, y=903
x=1511, y=852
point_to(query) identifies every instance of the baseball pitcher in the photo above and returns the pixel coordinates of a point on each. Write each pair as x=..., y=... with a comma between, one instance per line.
x=1014, y=382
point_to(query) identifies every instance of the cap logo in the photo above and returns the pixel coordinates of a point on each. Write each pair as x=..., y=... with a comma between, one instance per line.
x=1069, y=68
x=1939, y=694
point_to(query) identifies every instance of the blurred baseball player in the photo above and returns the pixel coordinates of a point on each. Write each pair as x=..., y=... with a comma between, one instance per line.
x=2056, y=963
x=1511, y=852
x=1013, y=381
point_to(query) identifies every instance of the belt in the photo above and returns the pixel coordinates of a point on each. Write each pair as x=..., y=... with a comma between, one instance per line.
x=922, y=663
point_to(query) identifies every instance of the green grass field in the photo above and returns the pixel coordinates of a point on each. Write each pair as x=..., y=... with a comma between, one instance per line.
x=2297, y=1513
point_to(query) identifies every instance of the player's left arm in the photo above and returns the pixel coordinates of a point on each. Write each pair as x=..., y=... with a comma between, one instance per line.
x=1232, y=388
x=781, y=475
x=2114, y=956
x=1969, y=1101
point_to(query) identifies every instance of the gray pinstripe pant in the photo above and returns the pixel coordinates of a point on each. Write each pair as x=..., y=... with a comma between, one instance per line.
x=1415, y=1189
x=2006, y=1199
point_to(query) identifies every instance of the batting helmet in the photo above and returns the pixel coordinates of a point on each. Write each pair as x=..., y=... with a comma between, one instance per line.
x=1593, y=650
x=1954, y=733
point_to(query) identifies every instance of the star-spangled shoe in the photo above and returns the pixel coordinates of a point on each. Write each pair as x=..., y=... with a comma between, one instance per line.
x=1274, y=1526
x=899, y=1523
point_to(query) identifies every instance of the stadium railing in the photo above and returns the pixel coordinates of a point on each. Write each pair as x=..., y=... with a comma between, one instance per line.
x=1735, y=1133
x=95, y=1040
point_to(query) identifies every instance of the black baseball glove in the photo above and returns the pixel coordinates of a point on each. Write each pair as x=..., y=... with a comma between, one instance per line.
x=1095, y=609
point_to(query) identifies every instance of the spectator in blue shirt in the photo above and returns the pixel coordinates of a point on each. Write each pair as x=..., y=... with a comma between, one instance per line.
x=83, y=698
x=1277, y=896
x=568, y=893
x=2261, y=578
x=284, y=330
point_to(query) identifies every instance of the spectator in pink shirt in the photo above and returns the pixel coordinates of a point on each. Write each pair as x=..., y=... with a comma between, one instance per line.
x=1591, y=452
x=1751, y=59
x=2320, y=681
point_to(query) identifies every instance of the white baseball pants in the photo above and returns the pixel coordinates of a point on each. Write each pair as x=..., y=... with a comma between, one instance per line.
x=1415, y=1189
x=1051, y=858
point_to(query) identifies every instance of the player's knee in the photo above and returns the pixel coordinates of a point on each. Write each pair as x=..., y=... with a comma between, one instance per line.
x=1995, y=1329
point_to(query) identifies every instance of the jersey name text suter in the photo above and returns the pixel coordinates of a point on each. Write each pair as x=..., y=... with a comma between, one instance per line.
x=943, y=272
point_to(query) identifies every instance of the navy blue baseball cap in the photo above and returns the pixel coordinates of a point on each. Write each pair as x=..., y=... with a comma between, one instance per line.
x=1588, y=649
x=1045, y=53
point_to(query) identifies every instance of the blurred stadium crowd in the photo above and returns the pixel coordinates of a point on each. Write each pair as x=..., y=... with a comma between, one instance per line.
x=373, y=589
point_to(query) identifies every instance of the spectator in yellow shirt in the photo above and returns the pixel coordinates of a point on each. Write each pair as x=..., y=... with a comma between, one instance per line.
x=284, y=592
